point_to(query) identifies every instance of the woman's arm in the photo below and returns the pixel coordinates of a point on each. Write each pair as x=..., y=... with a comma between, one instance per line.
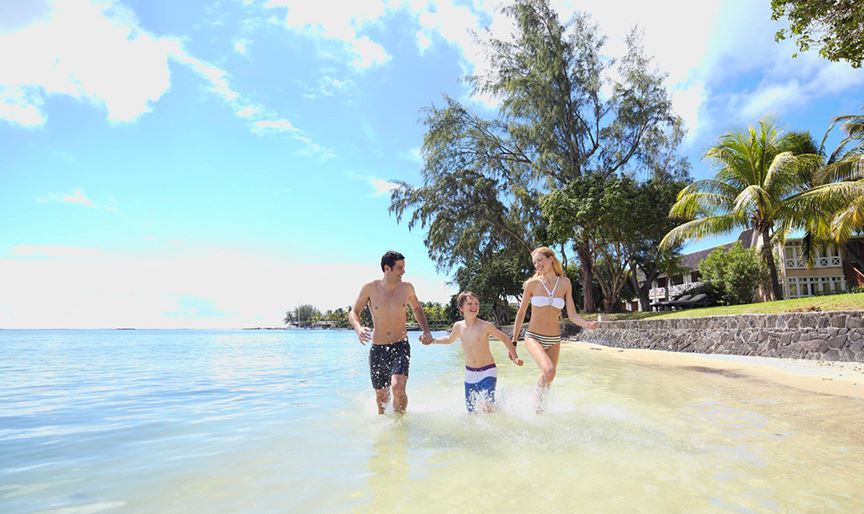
x=523, y=309
x=571, y=309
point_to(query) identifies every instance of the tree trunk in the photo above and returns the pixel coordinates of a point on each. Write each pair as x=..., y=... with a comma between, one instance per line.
x=768, y=255
x=644, y=289
x=585, y=258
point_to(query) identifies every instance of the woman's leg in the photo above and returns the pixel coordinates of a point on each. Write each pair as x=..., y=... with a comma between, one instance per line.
x=547, y=369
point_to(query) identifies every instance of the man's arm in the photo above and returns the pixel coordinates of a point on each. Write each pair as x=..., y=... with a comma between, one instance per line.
x=363, y=333
x=419, y=315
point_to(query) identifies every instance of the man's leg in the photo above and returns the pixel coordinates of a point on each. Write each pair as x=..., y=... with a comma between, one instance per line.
x=400, y=397
x=382, y=398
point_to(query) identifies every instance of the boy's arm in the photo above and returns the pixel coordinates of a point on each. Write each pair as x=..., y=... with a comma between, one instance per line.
x=492, y=330
x=451, y=337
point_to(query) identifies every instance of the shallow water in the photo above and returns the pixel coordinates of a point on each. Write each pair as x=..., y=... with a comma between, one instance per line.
x=282, y=421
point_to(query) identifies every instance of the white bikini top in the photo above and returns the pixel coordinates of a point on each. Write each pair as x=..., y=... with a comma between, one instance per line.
x=547, y=301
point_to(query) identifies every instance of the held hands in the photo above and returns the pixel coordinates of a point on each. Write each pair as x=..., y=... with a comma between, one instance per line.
x=426, y=338
x=592, y=325
x=515, y=358
x=363, y=334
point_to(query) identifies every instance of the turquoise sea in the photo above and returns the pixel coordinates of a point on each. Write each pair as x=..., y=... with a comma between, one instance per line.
x=174, y=421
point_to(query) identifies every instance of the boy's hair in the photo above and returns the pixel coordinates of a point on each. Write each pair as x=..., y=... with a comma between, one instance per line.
x=463, y=296
x=390, y=258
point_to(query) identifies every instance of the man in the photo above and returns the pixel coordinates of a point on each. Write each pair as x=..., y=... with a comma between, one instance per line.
x=390, y=354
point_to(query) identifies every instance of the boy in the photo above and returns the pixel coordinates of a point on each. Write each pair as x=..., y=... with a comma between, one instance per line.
x=481, y=375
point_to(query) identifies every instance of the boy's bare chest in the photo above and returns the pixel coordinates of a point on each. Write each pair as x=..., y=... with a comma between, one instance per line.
x=474, y=335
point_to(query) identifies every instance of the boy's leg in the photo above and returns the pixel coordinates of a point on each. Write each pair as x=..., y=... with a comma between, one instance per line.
x=470, y=397
x=487, y=398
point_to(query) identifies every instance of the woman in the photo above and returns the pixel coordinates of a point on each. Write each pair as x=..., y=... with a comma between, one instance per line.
x=548, y=292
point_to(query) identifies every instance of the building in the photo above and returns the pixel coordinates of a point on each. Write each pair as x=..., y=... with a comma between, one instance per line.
x=836, y=270
x=666, y=288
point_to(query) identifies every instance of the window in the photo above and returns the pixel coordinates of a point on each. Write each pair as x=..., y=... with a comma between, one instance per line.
x=828, y=257
x=811, y=286
x=793, y=255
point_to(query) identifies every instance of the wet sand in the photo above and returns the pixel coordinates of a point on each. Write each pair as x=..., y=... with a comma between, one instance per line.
x=835, y=378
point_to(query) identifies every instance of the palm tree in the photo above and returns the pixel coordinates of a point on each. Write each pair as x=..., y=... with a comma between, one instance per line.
x=833, y=209
x=757, y=171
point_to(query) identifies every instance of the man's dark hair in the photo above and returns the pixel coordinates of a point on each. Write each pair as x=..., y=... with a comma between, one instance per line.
x=390, y=258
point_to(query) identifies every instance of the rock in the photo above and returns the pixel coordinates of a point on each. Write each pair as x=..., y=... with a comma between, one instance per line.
x=832, y=355
x=837, y=342
x=838, y=321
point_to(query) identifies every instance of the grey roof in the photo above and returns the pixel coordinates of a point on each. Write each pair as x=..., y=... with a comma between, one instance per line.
x=691, y=260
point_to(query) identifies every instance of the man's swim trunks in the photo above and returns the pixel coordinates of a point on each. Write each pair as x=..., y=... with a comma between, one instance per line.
x=386, y=360
x=480, y=385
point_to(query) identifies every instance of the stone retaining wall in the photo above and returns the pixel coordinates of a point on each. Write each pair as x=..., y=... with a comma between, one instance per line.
x=834, y=336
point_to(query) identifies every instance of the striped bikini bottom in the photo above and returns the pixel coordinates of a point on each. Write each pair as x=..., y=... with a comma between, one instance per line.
x=545, y=341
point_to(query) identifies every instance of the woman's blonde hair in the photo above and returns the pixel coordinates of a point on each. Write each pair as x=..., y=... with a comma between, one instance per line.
x=556, y=266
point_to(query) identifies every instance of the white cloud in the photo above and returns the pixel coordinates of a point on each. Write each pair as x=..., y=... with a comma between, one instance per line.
x=769, y=100
x=98, y=53
x=280, y=125
x=193, y=288
x=413, y=155
x=790, y=87
x=329, y=86
x=380, y=186
x=368, y=53
x=22, y=106
x=77, y=196
x=241, y=46
x=91, y=52
x=338, y=21
x=687, y=101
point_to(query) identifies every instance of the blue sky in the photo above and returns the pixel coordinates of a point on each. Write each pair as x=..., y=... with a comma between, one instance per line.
x=212, y=164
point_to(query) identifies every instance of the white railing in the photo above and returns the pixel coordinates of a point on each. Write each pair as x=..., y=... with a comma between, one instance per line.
x=795, y=257
x=794, y=263
x=657, y=293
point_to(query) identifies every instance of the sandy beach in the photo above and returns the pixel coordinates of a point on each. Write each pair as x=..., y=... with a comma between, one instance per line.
x=835, y=378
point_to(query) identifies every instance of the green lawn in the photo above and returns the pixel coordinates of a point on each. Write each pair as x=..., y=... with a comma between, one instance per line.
x=838, y=302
